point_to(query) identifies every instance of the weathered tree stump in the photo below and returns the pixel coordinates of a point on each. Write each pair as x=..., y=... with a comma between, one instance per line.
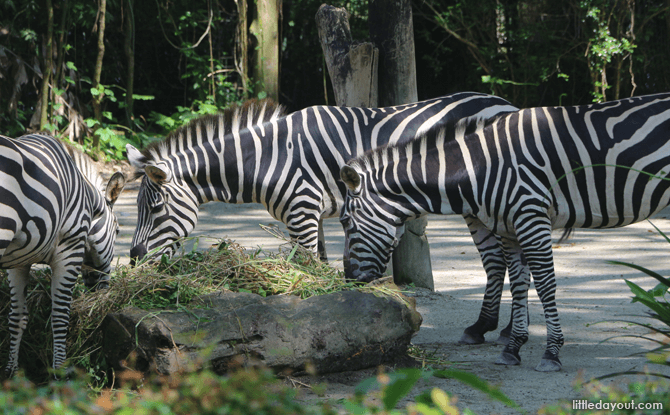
x=392, y=31
x=352, y=65
x=357, y=71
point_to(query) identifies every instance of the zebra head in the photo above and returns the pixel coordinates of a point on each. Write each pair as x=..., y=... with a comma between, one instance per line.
x=371, y=232
x=102, y=236
x=166, y=209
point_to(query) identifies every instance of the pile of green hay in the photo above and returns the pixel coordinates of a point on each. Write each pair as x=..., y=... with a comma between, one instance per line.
x=166, y=283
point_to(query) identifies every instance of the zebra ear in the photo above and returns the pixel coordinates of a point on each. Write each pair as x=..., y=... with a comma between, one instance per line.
x=114, y=187
x=158, y=173
x=351, y=178
x=135, y=157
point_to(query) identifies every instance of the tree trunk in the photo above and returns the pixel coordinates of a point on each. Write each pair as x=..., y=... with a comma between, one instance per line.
x=392, y=31
x=242, y=58
x=60, y=47
x=352, y=65
x=265, y=29
x=97, y=98
x=129, y=50
x=48, y=65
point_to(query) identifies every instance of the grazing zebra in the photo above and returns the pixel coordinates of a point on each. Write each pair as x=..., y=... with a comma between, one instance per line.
x=54, y=209
x=290, y=164
x=520, y=175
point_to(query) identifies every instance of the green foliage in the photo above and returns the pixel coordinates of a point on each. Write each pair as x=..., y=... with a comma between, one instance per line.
x=648, y=396
x=243, y=391
x=395, y=386
x=656, y=301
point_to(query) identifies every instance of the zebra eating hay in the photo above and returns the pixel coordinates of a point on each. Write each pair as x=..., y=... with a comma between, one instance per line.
x=519, y=175
x=54, y=209
x=290, y=164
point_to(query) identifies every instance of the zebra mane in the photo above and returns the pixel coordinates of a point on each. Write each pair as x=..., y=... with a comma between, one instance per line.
x=88, y=168
x=234, y=118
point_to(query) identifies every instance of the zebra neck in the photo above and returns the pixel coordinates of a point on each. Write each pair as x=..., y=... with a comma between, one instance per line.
x=223, y=169
x=421, y=177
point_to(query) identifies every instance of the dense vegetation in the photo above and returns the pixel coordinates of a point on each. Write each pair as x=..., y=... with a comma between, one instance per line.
x=152, y=65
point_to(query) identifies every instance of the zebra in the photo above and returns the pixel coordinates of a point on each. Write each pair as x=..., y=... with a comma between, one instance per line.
x=54, y=209
x=290, y=164
x=520, y=176
x=257, y=154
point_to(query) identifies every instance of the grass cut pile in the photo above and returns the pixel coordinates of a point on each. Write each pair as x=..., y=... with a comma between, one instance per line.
x=166, y=283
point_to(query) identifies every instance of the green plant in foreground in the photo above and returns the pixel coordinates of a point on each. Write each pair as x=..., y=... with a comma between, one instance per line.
x=395, y=386
x=244, y=391
x=659, y=310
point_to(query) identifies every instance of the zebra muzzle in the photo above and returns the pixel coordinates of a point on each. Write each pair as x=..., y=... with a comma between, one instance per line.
x=137, y=253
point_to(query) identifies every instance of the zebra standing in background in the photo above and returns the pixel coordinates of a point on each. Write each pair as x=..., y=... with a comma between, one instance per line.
x=54, y=209
x=290, y=164
x=520, y=175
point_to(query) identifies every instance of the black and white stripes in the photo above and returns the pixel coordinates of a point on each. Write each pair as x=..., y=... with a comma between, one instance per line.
x=519, y=176
x=54, y=209
x=290, y=164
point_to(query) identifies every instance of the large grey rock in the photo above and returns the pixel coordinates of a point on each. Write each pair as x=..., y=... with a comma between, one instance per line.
x=343, y=331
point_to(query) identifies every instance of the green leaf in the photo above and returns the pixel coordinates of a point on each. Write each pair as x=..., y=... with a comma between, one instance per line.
x=650, y=301
x=402, y=382
x=475, y=382
x=143, y=97
x=651, y=273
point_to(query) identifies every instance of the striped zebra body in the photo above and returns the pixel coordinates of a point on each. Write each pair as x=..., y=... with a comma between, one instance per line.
x=290, y=164
x=520, y=176
x=52, y=212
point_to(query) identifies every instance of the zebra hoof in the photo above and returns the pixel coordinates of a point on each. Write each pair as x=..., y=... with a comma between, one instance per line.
x=467, y=338
x=508, y=359
x=549, y=365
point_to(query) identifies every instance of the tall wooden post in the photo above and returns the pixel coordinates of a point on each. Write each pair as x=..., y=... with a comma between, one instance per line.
x=392, y=31
x=357, y=73
x=352, y=67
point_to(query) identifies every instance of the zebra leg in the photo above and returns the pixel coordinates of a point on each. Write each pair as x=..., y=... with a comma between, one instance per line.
x=494, y=264
x=323, y=256
x=305, y=229
x=64, y=272
x=537, y=248
x=519, y=282
x=505, y=333
x=18, y=315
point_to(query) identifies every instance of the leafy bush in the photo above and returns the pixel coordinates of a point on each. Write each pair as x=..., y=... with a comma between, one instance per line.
x=242, y=392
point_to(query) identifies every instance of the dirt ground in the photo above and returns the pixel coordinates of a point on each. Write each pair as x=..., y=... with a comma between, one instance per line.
x=591, y=293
